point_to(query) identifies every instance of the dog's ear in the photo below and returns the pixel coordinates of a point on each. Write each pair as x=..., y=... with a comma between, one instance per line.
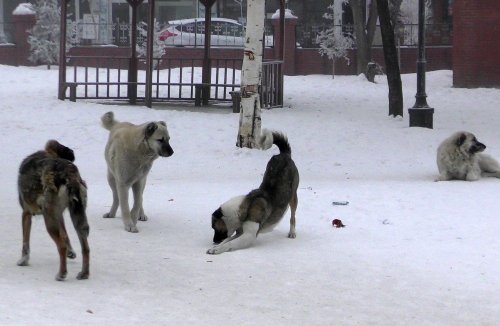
x=218, y=213
x=461, y=139
x=163, y=123
x=150, y=129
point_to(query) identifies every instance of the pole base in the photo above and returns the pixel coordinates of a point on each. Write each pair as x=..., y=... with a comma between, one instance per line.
x=421, y=117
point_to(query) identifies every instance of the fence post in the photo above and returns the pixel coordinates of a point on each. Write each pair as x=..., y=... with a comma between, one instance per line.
x=290, y=41
x=22, y=23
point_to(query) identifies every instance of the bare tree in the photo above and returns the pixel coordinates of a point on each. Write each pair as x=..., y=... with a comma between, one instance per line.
x=364, y=30
x=333, y=42
x=251, y=75
x=391, y=59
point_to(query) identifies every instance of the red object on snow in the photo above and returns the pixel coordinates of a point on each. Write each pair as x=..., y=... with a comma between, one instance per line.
x=337, y=223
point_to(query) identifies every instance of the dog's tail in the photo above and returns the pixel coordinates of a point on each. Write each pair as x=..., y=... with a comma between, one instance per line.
x=268, y=138
x=108, y=120
x=77, y=196
x=56, y=149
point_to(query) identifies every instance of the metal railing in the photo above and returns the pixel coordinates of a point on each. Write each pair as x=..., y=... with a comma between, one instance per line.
x=407, y=34
x=6, y=32
x=435, y=34
x=271, y=93
x=188, y=35
x=107, y=78
x=96, y=77
x=177, y=79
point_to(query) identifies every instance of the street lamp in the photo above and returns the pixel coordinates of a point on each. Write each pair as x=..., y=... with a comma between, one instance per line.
x=240, y=2
x=421, y=113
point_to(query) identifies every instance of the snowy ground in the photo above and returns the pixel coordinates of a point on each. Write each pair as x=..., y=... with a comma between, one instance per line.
x=413, y=252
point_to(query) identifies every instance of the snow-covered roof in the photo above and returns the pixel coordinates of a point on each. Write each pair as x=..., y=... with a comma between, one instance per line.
x=24, y=9
x=288, y=14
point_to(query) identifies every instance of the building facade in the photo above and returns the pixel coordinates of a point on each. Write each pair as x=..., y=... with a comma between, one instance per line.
x=476, y=45
x=107, y=22
x=101, y=21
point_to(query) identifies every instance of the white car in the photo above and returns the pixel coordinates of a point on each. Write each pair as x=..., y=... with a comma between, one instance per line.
x=191, y=32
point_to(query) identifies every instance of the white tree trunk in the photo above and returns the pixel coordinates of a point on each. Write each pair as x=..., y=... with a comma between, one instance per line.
x=251, y=75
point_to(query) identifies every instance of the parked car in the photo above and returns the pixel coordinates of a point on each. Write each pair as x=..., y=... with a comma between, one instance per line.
x=191, y=32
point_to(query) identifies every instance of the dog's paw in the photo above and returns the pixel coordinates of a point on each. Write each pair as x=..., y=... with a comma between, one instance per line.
x=82, y=275
x=23, y=261
x=108, y=215
x=292, y=235
x=214, y=251
x=71, y=254
x=61, y=276
x=441, y=178
x=131, y=228
x=143, y=218
x=472, y=177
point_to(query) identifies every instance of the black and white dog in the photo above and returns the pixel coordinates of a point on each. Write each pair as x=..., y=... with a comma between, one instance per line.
x=237, y=222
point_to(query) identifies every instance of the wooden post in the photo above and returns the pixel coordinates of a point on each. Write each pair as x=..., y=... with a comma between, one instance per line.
x=149, y=54
x=133, y=62
x=207, y=69
x=62, y=52
x=282, y=30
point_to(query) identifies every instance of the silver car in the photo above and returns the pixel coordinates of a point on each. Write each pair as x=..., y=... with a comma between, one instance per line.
x=191, y=32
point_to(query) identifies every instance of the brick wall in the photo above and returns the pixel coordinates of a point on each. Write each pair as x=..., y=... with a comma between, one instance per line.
x=309, y=61
x=23, y=23
x=476, y=44
x=18, y=53
x=8, y=54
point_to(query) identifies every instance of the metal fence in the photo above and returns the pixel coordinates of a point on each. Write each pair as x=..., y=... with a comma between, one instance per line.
x=228, y=35
x=7, y=32
x=271, y=93
x=406, y=35
x=182, y=34
x=107, y=78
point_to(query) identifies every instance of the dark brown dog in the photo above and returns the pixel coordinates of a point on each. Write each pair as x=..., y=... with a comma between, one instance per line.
x=48, y=183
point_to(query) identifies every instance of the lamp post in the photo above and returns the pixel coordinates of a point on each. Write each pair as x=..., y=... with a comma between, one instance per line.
x=240, y=2
x=421, y=113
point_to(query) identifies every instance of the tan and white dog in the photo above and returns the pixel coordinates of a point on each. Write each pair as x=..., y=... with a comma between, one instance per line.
x=129, y=153
x=460, y=157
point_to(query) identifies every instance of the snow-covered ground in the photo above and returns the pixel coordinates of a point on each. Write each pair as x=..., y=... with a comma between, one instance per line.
x=413, y=252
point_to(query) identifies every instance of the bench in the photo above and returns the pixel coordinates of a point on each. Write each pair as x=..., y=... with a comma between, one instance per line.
x=236, y=97
x=72, y=91
x=201, y=97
